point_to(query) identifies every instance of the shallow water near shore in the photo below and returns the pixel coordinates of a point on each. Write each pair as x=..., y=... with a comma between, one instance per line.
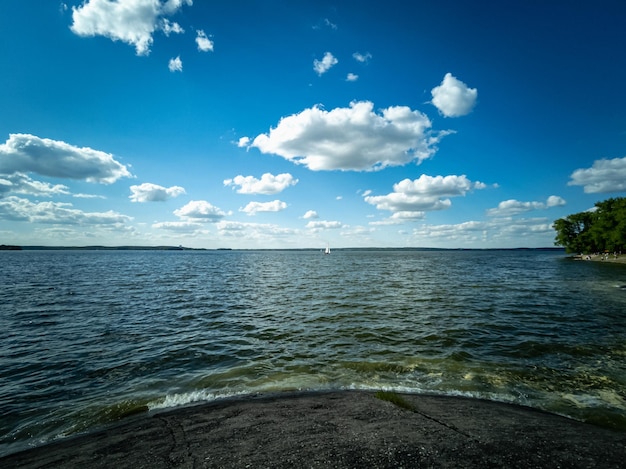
x=93, y=336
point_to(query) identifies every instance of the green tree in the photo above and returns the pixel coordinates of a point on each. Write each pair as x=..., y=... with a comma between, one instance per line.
x=573, y=232
x=609, y=227
x=603, y=229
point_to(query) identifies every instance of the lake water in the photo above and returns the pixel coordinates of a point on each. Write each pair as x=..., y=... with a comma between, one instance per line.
x=89, y=337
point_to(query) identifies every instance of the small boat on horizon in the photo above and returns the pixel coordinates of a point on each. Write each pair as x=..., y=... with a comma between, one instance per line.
x=327, y=250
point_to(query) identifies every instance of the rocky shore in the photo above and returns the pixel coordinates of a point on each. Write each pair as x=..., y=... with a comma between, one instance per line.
x=344, y=429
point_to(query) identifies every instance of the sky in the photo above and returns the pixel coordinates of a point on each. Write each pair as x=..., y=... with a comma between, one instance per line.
x=300, y=124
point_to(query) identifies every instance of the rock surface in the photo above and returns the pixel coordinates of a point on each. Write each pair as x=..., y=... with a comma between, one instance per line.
x=337, y=429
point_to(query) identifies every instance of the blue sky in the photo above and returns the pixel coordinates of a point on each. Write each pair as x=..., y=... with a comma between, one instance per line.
x=282, y=124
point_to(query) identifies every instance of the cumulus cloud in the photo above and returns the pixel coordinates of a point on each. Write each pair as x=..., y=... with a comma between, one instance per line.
x=354, y=138
x=310, y=214
x=400, y=217
x=497, y=232
x=200, y=210
x=513, y=207
x=427, y=193
x=178, y=226
x=24, y=153
x=175, y=65
x=169, y=27
x=18, y=209
x=19, y=183
x=320, y=225
x=438, y=185
x=603, y=176
x=148, y=192
x=454, y=98
x=268, y=184
x=461, y=234
x=243, y=142
x=555, y=201
x=253, y=231
x=203, y=42
x=322, y=66
x=254, y=207
x=352, y=77
x=130, y=21
x=362, y=57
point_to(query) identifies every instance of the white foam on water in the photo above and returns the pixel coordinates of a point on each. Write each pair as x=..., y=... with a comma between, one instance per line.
x=181, y=399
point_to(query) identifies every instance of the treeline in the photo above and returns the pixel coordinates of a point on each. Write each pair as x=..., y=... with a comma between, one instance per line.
x=599, y=230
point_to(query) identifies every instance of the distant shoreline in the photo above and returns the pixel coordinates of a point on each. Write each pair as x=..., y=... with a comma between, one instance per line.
x=4, y=247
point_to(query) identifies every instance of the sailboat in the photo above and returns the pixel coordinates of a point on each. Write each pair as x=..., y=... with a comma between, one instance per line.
x=327, y=250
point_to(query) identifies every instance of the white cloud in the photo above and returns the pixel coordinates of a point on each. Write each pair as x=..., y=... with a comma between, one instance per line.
x=555, y=201
x=454, y=98
x=200, y=210
x=129, y=21
x=266, y=233
x=175, y=65
x=400, y=202
x=603, y=176
x=498, y=232
x=352, y=77
x=19, y=183
x=15, y=208
x=178, y=226
x=203, y=42
x=510, y=230
x=88, y=196
x=423, y=194
x=243, y=142
x=322, y=66
x=310, y=214
x=469, y=233
x=148, y=192
x=168, y=27
x=23, y=153
x=268, y=184
x=172, y=6
x=362, y=57
x=354, y=138
x=438, y=185
x=254, y=207
x=511, y=207
x=320, y=225
x=401, y=217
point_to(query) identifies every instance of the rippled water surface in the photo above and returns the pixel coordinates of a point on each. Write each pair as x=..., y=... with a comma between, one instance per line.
x=89, y=337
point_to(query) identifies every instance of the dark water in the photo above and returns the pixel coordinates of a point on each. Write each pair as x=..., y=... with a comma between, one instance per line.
x=91, y=336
